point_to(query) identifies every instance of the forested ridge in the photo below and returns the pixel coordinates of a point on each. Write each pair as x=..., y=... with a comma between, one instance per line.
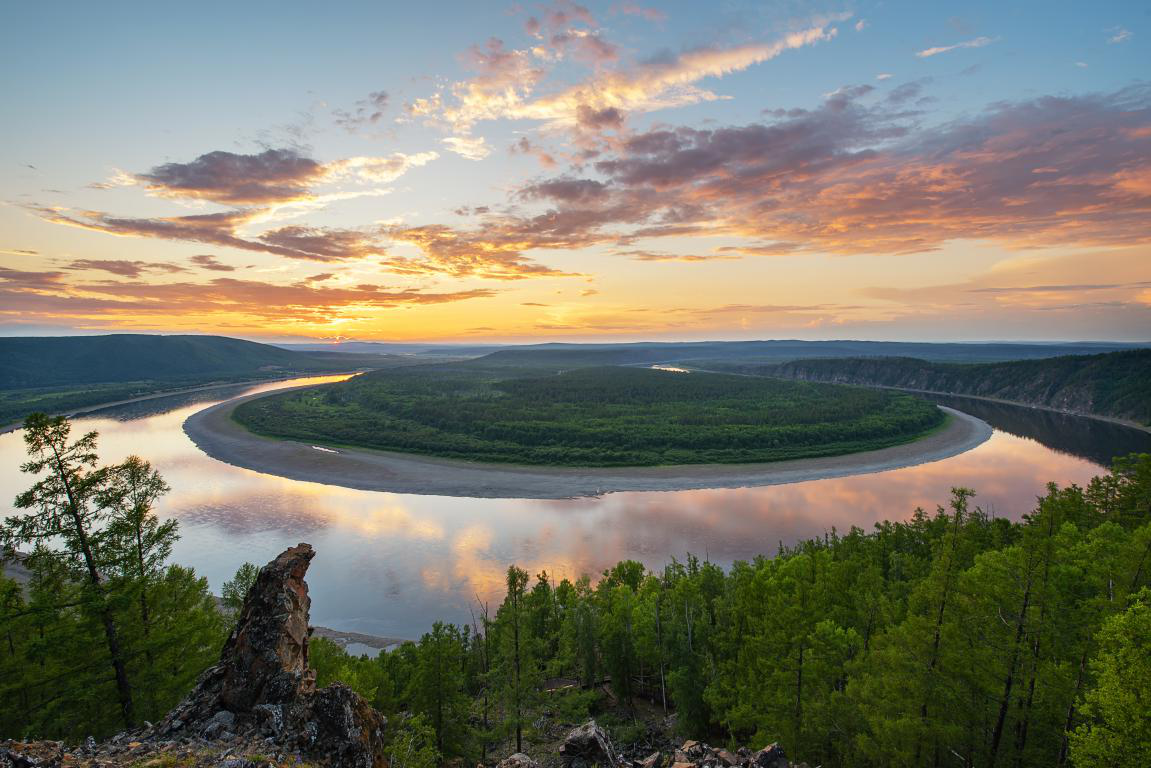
x=1116, y=384
x=591, y=416
x=65, y=373
x=954, y=637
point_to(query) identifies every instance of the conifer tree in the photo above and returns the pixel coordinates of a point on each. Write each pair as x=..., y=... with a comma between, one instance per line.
x=63, y=506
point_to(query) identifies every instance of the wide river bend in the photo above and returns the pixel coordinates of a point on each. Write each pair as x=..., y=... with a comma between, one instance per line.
x=391, y=564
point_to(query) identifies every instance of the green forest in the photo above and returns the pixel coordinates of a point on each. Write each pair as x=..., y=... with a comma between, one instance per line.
x=609, y=416
x=65, y=374
x=952, y=638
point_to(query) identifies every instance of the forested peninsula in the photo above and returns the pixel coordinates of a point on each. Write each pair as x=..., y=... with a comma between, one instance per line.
x=595, y=417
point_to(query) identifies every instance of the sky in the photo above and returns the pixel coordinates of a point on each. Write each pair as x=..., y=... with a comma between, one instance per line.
x=618, y=171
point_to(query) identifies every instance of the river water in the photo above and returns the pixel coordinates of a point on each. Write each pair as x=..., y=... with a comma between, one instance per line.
x=391, y=564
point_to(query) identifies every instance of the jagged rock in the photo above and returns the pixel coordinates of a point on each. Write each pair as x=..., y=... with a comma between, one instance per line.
x=263, y=686
x=654, y=760
x=265, y=659
x=771, y=756
x=693, y=749
x=30, y=754
x=727, y=758
x=518, y=760
x=588, y=746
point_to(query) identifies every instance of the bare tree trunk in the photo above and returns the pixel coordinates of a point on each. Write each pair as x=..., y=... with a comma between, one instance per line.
x=1009, y=678
x=659, y=642
x=1069, y=723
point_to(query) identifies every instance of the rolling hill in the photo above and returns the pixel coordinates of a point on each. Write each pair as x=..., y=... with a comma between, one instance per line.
x=1115, y=385
x=780, y=350
x=67, y=373
x=27, y=363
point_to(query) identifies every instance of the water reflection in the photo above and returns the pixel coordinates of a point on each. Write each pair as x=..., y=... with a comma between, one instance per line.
x=391, y=564
x=1098, y=441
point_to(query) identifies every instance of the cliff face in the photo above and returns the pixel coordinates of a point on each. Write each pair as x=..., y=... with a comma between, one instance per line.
x=260, y=698
x=1115, y=385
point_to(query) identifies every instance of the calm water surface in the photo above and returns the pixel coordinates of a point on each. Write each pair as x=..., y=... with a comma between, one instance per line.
x=392, y=564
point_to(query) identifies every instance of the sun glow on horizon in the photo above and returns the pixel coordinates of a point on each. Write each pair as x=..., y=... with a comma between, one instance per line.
x=579, y=173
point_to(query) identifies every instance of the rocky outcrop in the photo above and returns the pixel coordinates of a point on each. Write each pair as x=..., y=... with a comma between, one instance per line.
x=589, y=746
x=259, y=699
x=265, y=660
x=518, y=760
x=263, y=684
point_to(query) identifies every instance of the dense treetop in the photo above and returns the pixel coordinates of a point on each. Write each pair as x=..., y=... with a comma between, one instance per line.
x=591, y=416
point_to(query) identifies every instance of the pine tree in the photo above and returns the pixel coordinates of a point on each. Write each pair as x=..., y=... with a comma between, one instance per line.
x=1116, y=732
x=63, y=507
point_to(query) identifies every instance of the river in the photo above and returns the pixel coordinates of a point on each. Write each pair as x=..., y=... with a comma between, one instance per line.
x=391, y=564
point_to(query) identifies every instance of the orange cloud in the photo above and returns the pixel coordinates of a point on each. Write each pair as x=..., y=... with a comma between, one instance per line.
x=47, y=295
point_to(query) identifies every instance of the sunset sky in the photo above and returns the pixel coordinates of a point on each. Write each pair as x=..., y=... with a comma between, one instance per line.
x=489, y=171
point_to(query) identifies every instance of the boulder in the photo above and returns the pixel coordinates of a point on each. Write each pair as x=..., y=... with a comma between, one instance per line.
x=727, y=758
x=654, y=760
x=518, y=760
x=771, y=756
x=588, y=746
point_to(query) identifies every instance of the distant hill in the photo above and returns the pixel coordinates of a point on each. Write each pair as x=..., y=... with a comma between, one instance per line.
x=777, y=351
x=27, y=363
x=67, y=374
x=1116, y=384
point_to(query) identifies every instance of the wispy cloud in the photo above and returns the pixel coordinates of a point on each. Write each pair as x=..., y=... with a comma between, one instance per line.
x=644, y=255
x=221, y=229
x=367, y=111
x=978, y=42
x=1119, y=35
x=124, y=267
x=854, y=176
x=45, y=295
x=508, y=81
x=211, y=263
x=271, y=177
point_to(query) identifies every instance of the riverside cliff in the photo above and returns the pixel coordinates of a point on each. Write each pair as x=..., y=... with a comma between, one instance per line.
x=1115, y=385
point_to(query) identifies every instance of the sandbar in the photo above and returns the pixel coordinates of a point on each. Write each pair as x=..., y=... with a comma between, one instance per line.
x=215, y=433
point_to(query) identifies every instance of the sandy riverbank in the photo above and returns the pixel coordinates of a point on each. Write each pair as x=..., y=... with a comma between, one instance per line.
x=215, y=433
x=6, y=428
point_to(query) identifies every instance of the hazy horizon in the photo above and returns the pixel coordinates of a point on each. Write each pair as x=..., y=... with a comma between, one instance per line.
x=582, y=172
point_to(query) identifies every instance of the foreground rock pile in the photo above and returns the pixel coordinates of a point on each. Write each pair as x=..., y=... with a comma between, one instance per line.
x=589, y=747
x=258, y=706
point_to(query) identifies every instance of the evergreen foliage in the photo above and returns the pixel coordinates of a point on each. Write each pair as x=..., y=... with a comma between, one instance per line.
x=106, y=634
x=1115, y=384
x=952, y=638
x=591, y=416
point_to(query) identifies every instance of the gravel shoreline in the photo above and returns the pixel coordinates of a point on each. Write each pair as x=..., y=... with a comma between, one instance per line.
x=216, y=434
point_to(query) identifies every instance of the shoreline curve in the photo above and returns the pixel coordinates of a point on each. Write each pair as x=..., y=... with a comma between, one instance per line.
x=213, y=431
